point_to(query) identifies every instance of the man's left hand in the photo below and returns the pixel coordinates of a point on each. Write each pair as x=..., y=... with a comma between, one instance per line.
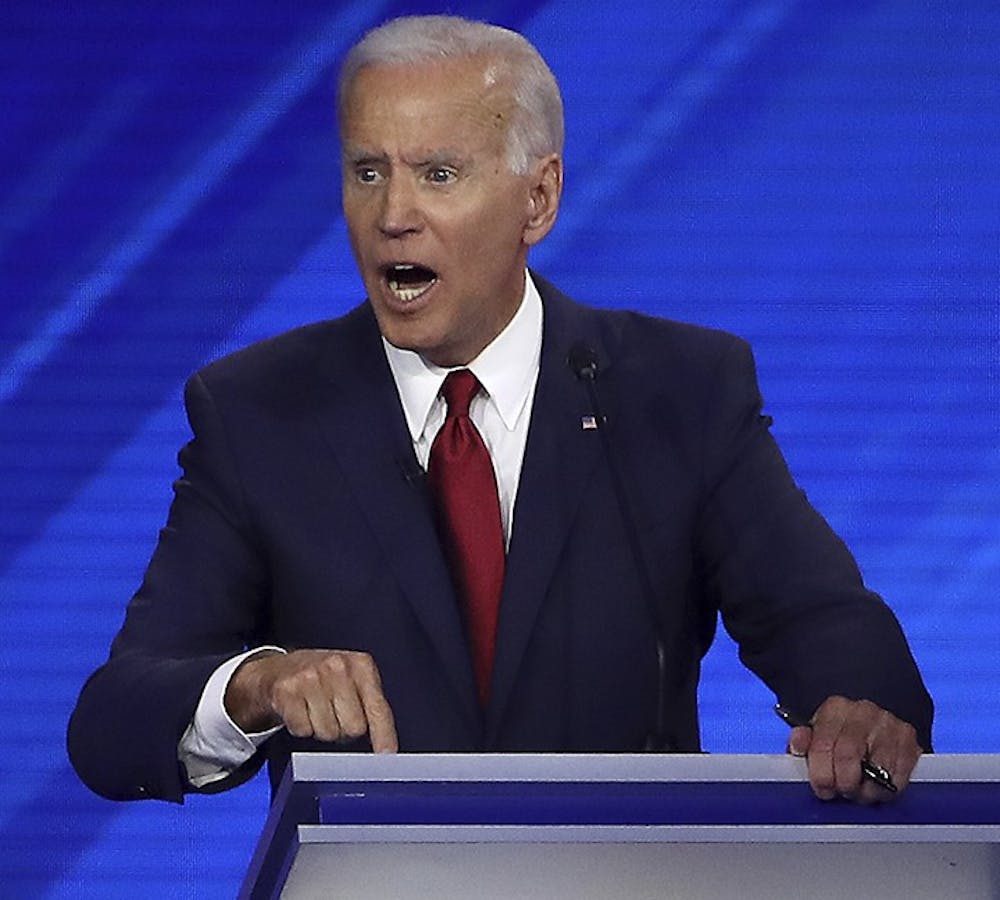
x=843, y=733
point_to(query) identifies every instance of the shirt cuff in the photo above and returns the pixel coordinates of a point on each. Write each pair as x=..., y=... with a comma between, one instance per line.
x=213, y=746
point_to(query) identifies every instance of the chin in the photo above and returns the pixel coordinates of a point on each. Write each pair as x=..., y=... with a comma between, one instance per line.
x=407, y=339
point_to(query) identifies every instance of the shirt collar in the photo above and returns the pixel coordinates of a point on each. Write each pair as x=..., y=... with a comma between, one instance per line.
x=504, y=368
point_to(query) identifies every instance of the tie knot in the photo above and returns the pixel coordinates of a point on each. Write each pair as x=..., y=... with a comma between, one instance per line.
x=458, y=389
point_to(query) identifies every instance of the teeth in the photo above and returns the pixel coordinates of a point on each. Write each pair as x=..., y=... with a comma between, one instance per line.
x=408, y=293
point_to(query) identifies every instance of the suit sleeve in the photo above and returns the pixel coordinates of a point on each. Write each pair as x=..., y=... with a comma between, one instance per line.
x=199, y=604
x=789, y=591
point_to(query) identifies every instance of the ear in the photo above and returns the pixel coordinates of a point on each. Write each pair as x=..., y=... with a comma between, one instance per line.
x=543, y=198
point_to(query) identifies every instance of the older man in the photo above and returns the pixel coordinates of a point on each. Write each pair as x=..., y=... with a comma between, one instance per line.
x=470, y=514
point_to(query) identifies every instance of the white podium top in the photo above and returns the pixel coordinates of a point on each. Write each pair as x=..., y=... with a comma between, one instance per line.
x=625, y=767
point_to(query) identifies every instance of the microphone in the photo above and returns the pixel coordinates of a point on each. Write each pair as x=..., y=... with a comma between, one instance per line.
x=582, y=361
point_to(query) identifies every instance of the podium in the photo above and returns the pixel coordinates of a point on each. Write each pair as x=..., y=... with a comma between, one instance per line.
x=620, y=826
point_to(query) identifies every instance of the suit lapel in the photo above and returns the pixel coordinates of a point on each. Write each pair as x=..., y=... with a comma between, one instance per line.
x=559, y=456
x=363, y=424
x=366, y=430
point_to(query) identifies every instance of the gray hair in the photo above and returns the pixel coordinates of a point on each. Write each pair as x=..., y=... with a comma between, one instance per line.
x=537, y=127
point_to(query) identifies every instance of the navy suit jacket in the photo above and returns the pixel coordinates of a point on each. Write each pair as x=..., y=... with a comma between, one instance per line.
x=302, y=519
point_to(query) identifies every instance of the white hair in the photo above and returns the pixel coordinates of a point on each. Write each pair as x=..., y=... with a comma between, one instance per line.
x=537, y=127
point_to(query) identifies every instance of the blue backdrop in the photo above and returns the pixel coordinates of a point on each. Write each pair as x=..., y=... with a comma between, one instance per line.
x=820, y=177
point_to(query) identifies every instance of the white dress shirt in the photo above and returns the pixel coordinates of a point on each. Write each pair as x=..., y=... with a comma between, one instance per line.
x=213, y=746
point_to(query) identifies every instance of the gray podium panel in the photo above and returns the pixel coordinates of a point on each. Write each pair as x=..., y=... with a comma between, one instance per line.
x=484, y=826
x=405, y=868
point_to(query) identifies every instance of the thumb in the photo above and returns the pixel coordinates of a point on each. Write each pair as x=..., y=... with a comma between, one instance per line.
x=799, y=740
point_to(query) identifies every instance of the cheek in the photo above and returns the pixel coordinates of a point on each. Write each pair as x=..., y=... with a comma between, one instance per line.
x=358, y=209
x=495, y=230
x=359, y=236
x=351, y=221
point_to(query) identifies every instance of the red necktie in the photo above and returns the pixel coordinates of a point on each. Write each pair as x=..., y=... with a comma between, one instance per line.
x=465, y=491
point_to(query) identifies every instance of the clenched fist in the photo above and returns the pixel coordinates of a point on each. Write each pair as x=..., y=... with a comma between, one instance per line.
x=331, y=695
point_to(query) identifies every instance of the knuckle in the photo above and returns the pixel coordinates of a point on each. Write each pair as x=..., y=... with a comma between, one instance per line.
x=363, y=665
x=282, y=693
x=308, y=677
x=295, y=684
x=335, y=665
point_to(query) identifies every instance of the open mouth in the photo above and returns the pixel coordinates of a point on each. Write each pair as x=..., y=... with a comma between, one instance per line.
x=408, y=281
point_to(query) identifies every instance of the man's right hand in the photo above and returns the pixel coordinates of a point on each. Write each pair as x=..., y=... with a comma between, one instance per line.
x=330, y=695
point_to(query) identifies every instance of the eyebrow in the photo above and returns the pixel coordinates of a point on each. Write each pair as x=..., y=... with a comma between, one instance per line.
x=357, y=156
x=446, y=156
x=440, y=157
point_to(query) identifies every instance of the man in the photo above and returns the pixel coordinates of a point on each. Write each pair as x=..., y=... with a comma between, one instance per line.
x=315, y=589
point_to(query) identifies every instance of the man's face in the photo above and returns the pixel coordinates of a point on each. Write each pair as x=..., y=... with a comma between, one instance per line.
x=439, y=225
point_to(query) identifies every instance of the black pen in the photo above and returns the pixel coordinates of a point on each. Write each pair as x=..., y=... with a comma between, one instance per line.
x=869, y=769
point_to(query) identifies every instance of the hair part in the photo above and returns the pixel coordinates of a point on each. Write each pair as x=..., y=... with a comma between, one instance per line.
x=537, y=128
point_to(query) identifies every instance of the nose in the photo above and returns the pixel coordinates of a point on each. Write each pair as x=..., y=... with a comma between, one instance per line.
x=400, y=213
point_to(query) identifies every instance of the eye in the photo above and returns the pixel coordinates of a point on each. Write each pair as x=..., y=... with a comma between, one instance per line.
x=441, y=175
x=366, y=174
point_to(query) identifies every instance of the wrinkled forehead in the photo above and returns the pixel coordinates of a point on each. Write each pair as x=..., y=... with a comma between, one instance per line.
x=468, y=80
x=460, y=94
